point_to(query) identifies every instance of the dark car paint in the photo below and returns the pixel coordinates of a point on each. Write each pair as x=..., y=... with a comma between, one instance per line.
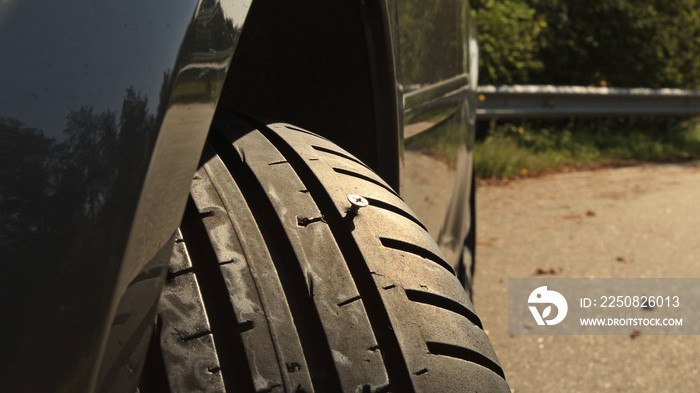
x=439, y=61
x=104, y=108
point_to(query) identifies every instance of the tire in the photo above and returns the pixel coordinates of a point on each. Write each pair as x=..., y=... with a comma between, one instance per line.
x=276, y=286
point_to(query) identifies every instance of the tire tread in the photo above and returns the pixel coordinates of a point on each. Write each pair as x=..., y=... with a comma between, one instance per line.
x=297, y=294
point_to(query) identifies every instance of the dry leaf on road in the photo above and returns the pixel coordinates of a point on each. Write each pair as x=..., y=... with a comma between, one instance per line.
x=625, y=260
x=548, y=271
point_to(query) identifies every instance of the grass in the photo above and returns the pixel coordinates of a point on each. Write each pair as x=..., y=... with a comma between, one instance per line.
x=510, y=150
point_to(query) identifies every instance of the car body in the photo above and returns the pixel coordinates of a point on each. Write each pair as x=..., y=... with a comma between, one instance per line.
x=105, y=107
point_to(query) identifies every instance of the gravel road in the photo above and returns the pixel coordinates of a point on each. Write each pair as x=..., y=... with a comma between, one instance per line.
x=626, y=222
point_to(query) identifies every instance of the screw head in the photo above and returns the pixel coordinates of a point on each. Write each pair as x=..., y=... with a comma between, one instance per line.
x=357, y=202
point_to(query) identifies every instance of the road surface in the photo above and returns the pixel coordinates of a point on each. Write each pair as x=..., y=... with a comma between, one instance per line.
x=628, y=222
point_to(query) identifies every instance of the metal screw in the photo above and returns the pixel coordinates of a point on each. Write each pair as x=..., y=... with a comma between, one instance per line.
x=356, y=202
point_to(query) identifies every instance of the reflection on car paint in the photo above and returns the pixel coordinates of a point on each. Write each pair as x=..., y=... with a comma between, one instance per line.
x=438, y=85
x=103, y=110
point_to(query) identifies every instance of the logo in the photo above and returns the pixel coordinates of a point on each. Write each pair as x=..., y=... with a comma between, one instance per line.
x=542, y=295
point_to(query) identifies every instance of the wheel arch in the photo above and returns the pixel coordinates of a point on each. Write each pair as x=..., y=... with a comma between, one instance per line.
x=327, y=66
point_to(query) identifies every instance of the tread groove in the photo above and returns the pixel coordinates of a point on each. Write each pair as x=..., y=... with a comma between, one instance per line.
x=222, y=319
x=399, y=376
x=365, y=178
x=383, y=205
x=467, y=354
x=157, y=380
x=417, y=250
x=172, y=275
x=309, y=327
x=197, y=335
x=291, y=127
x=444, y=303
x=339, y=154
x=346, y=302
x=246, y=326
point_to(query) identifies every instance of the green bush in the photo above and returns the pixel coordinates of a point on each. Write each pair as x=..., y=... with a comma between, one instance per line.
x=622, y=43
x=509, y=34
x=617, y=43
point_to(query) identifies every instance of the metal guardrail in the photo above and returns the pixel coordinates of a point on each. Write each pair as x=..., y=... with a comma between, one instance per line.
x=420, y=97
x=553, y=101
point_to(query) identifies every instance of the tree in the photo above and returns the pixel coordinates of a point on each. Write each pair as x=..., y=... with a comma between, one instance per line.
x=621, y=43
x=509, y=39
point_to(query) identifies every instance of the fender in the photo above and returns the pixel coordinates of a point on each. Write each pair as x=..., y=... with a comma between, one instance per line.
x=104, y=108
x=327, y=66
